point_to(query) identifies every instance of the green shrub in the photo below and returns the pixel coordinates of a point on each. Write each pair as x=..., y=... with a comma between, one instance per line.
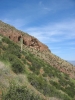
x=48, y=90
x=19, y=93
x=12, y=47
x=18, y=67
x=16, y=64
x=55, y=84
x=6, y=40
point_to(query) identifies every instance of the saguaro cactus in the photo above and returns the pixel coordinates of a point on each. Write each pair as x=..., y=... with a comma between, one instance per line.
x=21, y=40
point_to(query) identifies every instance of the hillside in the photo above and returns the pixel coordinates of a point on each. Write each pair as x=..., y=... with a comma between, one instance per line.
x=72, y=62
x=33, y=73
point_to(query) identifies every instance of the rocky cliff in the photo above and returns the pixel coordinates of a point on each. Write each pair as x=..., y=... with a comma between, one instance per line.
x=15, y=35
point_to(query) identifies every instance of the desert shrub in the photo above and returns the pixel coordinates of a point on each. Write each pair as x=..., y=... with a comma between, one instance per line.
x=29, y=58
x=35, y=63
x=24, y=60
x=12, y=47
x=55, y=84
x=6, y=40
x=48, y=90
x=44, y=74
x=19, y=93
x=18, y=67
x=14, y=50
x=2, y=46
x=12, y=54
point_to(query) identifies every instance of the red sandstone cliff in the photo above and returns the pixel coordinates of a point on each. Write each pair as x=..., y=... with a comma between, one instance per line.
x=15, y=35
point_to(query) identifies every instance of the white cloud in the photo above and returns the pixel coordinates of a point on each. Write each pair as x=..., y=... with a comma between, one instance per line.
x=55, y=32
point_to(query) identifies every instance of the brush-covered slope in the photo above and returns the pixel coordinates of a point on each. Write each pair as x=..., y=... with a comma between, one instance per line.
x=33, y=74
x=37, y=48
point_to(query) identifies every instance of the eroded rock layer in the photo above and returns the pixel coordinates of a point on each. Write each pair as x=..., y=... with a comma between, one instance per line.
x=15, y=35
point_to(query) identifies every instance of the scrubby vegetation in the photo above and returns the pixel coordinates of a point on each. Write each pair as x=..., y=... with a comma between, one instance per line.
x=19, y=93
x=47, y=89
x=44, y=78
x=11, y=53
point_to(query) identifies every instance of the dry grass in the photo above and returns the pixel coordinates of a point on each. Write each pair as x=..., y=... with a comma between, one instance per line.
x=7, y=76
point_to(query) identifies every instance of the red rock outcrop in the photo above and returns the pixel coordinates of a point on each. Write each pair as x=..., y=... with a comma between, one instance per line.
x=15, y=36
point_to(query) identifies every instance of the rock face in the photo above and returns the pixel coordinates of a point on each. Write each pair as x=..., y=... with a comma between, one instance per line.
x=15, y=35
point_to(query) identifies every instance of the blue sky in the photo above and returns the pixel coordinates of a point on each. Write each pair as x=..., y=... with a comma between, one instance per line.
x=51, y=21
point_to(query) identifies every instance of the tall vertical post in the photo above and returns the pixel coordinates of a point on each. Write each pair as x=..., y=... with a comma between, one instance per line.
x=21, y=43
